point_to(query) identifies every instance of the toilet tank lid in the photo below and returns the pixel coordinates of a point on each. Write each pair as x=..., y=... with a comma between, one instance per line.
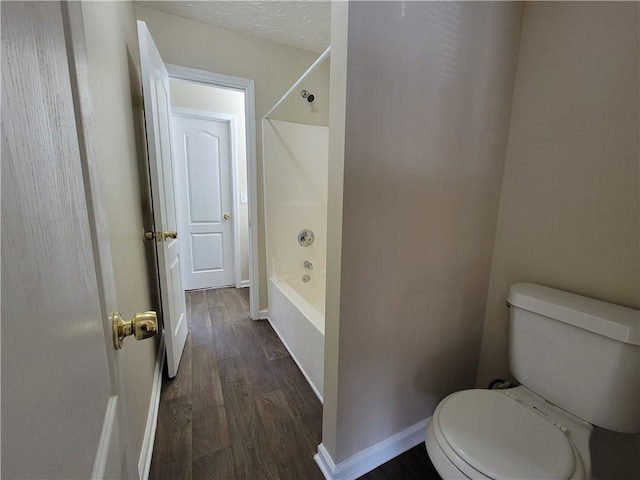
x=607, y=319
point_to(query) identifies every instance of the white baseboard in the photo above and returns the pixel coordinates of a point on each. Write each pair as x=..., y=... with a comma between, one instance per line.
x=105, y=443
x=300, y=367
x=372, y=457
x=144, y=463
x=264, y=314
x=243, y=284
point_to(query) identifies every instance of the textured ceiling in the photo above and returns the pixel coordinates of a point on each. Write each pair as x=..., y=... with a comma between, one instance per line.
x=303, y=23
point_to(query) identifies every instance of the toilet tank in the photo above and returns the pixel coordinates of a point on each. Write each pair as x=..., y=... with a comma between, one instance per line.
x=578, y=353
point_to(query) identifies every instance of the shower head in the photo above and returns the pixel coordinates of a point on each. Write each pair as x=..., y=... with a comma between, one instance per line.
x=308, y=95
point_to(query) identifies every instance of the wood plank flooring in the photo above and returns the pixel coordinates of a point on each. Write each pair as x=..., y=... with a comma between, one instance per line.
x=414, y=464
x=240, y=408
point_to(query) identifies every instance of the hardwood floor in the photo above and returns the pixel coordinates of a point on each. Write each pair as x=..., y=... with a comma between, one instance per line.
x=240, y=408
x=414, y=464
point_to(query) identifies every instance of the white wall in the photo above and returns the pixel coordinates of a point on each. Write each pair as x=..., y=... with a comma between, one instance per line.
x=112, y=50
x=273, y=67
x=427, y=109
x=222, y=100
x=569, y=211
x=295, y=158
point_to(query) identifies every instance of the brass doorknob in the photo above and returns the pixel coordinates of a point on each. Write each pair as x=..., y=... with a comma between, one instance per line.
x=142, y=325
x=226, y=216
x=170, y=234
x=152, y=235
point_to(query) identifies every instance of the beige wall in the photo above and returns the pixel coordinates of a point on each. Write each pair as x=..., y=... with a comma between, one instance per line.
x=569, y=207
x=222, y=100
x=427, y=109
x=112, y=49
x=297, y=109
x=272, y=66
x=569, y=211
x=335, y=191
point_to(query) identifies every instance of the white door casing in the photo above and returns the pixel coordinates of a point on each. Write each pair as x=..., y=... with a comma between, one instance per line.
x=203, y=154
x=65, y=411
x=157, y=104
x=247, y=86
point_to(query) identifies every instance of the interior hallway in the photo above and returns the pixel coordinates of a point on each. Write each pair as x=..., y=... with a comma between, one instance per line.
x=240, y=408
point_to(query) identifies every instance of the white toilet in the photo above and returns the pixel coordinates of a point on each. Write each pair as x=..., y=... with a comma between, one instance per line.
x=578, y=362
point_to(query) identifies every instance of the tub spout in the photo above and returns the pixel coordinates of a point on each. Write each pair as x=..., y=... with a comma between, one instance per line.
x=308, y=265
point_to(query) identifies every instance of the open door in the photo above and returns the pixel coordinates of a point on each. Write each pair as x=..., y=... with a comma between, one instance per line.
x=64, y=408
x=157, y=112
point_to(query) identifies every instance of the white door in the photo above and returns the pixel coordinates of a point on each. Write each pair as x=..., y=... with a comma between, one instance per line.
x=63, y=411
x=203, y=160
x=157, y=104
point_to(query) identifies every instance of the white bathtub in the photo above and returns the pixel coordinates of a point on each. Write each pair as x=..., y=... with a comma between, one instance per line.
x=296, y=313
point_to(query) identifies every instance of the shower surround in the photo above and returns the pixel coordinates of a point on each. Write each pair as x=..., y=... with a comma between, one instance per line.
x=295, y=175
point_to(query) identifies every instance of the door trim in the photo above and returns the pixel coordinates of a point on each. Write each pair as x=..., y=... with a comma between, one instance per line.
x=245, y=85
x=235, y=204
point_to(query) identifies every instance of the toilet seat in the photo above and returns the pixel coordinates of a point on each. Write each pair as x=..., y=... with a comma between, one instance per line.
x=491, y=434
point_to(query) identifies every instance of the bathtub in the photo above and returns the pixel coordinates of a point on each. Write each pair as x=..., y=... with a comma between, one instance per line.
x=296, y=313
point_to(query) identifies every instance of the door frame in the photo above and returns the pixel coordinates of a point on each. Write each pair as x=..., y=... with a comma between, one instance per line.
x=245, y=85
x=235, y=204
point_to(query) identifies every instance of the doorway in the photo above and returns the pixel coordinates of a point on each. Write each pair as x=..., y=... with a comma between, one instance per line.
x=214, y=152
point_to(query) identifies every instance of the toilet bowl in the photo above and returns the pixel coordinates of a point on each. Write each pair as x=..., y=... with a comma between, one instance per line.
x=506, y=434
x=563, y=349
